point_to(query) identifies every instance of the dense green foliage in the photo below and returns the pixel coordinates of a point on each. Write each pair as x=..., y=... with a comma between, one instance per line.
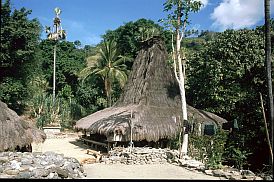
x=26, y=72
x=225, y=78
x=130, y=36
x=232, y=61
x=69, y=62
x=67, y=108
x=209, y=149
x=235, y=153
x=19, y=40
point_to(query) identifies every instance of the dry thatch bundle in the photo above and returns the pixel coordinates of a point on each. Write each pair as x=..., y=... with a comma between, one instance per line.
x=150, y=100
x=14, y=132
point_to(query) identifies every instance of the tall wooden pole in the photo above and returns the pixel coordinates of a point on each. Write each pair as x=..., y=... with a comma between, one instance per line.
x=268, y=71
x=55, y=35
x=54, y=55
x=54, y=71
x=268, y=67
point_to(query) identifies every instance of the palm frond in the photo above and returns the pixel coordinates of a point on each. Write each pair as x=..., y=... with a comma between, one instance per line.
x=121, y=60
x=108, y=65
x=120, y=76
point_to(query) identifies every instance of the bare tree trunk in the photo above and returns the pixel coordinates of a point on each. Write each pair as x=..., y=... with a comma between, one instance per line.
x=180, y=77
x=268, y=67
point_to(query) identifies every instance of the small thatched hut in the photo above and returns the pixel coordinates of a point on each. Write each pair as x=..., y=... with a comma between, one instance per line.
x=150, y=101
x=16, y=134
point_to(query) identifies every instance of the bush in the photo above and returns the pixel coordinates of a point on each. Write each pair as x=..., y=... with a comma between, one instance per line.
x=208, y=149
x=13, y=93
x=234, y=154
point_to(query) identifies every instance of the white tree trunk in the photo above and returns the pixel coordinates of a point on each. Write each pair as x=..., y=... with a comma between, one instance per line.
x=181, y=82
x=179, y=74
x=183, y=97
x=184, y=109
x=184, y=144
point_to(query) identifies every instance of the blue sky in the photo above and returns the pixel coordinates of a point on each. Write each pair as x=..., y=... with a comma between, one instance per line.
x=87, y=20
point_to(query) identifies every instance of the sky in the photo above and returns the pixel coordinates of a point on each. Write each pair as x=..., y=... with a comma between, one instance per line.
x=88, y=20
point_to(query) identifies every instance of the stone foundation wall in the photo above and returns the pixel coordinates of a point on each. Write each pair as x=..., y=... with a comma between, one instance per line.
x=140, y=156
x=147, y=155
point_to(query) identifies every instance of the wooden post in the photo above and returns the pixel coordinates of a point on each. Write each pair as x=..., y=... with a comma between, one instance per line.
x=131, y=131
x=54, y=73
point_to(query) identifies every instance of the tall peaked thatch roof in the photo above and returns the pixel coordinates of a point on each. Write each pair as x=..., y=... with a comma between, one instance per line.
x=16, y=132
x=150, y=99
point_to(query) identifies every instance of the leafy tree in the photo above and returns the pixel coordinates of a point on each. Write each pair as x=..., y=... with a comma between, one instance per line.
x=19, y=39
x=13, y=92
x=226, y=78
x=109, y=67
x=70, y=60
x=231, y=61
x=177, y=21
x=90, y=95
x=130, y=36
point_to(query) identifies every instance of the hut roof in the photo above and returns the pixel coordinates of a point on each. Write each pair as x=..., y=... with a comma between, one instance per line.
x=16, y=132
x=150, y=99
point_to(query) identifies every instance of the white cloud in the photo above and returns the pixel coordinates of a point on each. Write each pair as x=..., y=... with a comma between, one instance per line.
x=204, y=2
x=238, y=14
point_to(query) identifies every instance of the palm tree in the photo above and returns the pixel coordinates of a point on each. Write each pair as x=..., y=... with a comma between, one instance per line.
x=109, y=65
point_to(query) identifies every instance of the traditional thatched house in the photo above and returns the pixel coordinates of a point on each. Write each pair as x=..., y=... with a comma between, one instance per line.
x=16, y=134
x=149, y=109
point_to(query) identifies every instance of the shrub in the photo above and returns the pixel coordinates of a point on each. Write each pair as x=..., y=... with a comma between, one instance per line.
x=208, y=149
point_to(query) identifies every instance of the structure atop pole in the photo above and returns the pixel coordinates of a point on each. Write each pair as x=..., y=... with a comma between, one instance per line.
x=56, y=33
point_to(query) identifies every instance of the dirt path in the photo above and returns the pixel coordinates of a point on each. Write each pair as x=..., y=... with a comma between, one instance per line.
x=71, y=147
x=157, y=171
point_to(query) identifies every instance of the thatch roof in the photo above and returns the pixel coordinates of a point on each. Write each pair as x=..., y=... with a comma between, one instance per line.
x=16, y=132
x=151, y=96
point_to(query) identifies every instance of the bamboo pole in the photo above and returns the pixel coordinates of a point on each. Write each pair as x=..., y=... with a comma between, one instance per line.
x=54, y=72
x=267, y=134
